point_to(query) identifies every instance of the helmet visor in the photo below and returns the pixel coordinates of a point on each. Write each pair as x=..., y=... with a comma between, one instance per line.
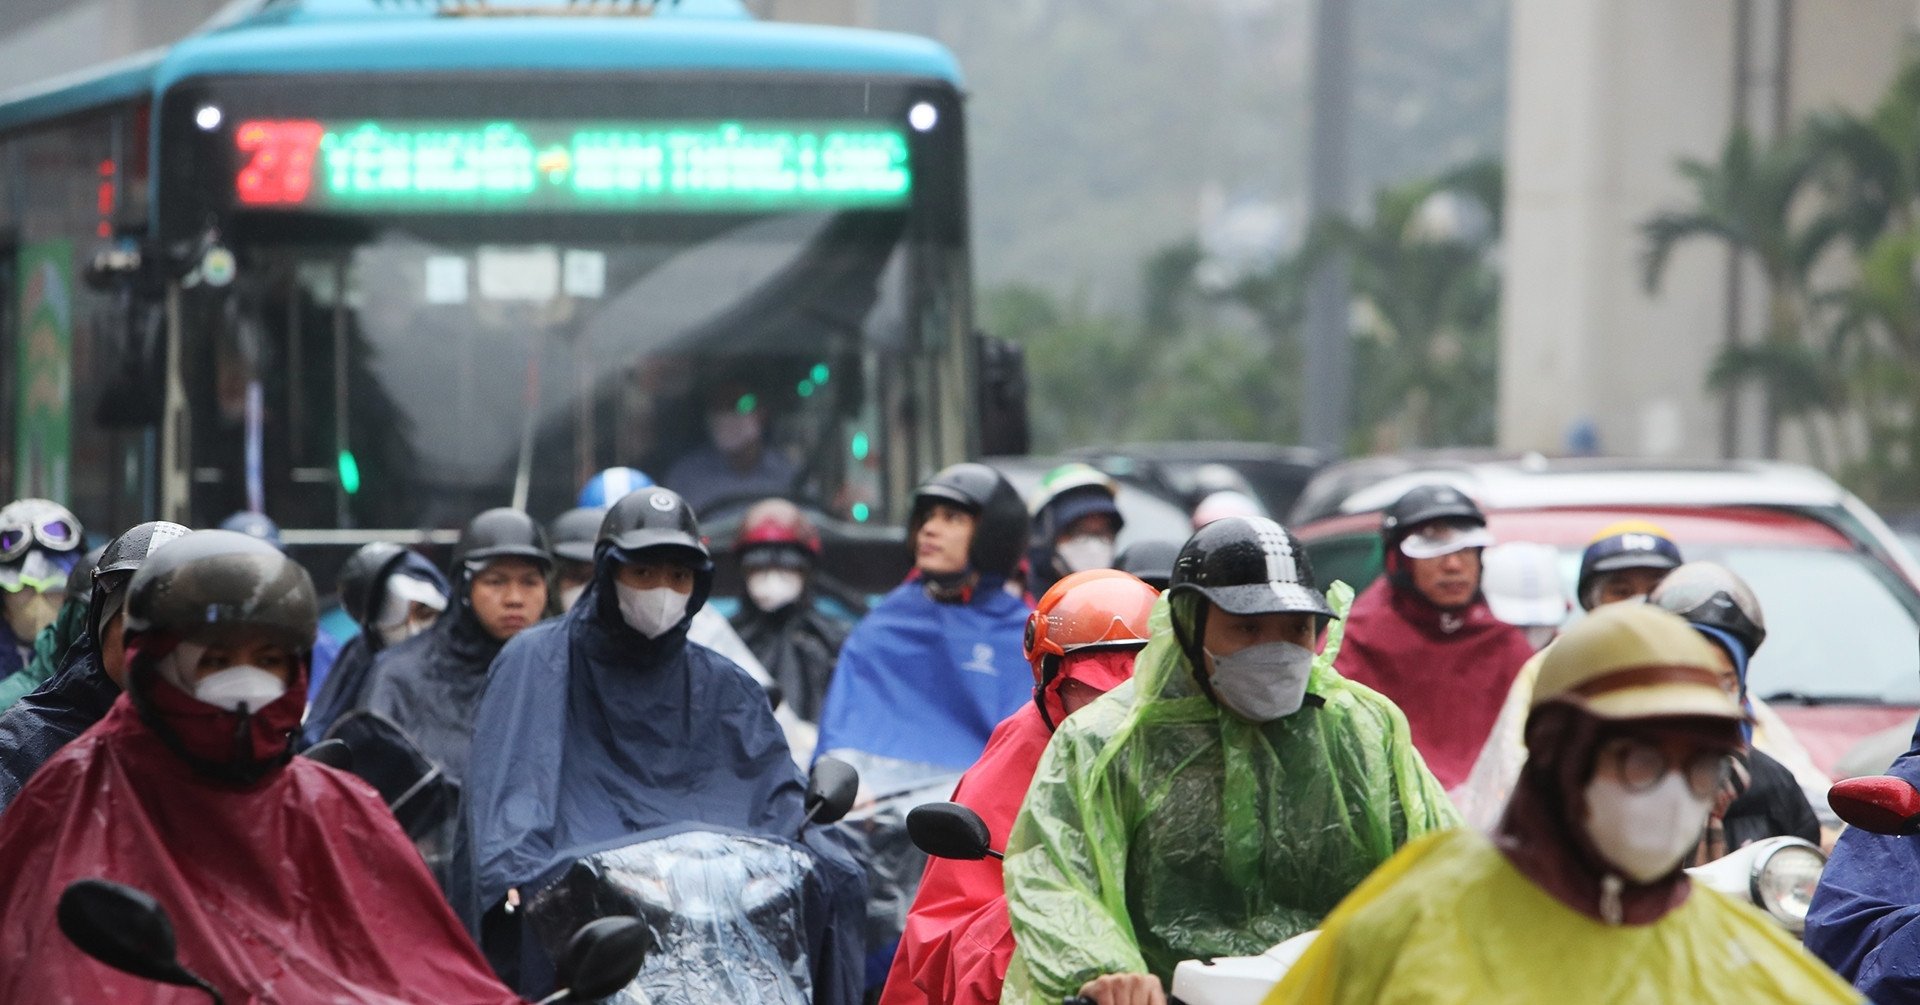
x=1445, y=538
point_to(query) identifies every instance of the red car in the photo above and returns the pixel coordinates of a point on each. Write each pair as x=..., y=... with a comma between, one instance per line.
x=1842, y=656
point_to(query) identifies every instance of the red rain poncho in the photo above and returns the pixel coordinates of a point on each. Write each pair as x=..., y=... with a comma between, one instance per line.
x=958, y=940
x=299, y=889
x=1448, y=671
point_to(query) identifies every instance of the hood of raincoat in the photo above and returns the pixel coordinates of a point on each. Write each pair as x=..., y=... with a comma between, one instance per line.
x=799, y=645
x=1540, y=831
x=49, y=651
x=1449, y=671
x=1452, y=913
x=1160, y=827
x=926, y=682
x=37, y=726
x=1865, y=918
x=598, y=735
x=430, y=685
x=303, y=889
x=344, y=690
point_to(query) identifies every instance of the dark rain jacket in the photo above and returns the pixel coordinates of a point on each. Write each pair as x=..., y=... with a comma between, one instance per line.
x=430, y=685
x=37, y=726
x=798, y=645
x=597, y=736
x=1865, y=917
x=345, y=687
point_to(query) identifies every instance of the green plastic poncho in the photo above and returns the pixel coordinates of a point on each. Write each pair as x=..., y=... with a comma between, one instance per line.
x=1162, y=828
x=1451, y=922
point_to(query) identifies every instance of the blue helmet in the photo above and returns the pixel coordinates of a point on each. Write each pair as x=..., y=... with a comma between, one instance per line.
x=613, y=484
x=253, y=524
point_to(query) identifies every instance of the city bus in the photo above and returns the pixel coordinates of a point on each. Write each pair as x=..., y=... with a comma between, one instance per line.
x=371, y=266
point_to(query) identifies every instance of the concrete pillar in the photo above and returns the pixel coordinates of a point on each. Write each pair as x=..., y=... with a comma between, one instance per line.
x=1605, y=97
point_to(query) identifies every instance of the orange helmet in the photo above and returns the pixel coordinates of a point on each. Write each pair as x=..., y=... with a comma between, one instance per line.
x=1098, y=608
x=1092, y=610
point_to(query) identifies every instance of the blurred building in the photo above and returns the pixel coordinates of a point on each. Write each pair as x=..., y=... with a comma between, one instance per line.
x=1604, y=97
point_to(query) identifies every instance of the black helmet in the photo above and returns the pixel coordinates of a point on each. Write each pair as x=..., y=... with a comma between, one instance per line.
x=1424, y=503
x=1248, y=565
x=651, y=518
x=365, y=568
x=213, y=582
x=502, y=533
x=1711, y=595
x=575, y=531
x=1152, y=561
x=1000, y=515
x=118, y=561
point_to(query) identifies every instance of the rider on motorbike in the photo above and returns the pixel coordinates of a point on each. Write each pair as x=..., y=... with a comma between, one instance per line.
x=1081, y=643
x=1222, y=800
x=95, y=670
x=286, y=880
x=1579, y=894
x=606, y=724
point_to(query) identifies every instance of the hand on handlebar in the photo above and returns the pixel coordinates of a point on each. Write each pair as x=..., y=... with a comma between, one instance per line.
x=1124, y=989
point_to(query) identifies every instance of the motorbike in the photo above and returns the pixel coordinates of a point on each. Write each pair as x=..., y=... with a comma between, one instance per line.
x=128, y=930
x=726, y=911
x=1778, y=875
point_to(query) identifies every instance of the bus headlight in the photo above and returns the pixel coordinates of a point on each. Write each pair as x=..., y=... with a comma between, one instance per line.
x=1784, y=879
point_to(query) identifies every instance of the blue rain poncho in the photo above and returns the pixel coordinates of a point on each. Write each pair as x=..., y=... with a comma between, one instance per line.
x=925, y=682
x=1865, y=918
x=1162, y=828
x=591, y=736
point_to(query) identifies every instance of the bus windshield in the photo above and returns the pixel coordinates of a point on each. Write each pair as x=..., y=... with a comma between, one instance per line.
x=405, y=304
x=411, y=378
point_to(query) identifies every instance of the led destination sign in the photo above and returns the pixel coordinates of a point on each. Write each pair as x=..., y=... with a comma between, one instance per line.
x=517, y=166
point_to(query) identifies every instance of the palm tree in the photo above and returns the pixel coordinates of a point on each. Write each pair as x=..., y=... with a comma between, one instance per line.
x=1427, y=354
x=1747, y=200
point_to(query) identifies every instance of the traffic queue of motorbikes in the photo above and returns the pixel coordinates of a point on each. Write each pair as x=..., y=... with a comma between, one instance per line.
x=1189, y=772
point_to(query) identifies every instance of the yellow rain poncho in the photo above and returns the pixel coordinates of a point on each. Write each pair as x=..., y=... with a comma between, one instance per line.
x=1161, y=828
x=1450, y=920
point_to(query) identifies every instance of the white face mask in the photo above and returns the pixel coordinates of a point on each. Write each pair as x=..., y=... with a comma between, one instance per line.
x=569, y=594
x=772, y=589
x=240, y=687
x=1539, y=635
x=652, y=612
x=1264, y=682
x=1085, y=551
x=1645, y=834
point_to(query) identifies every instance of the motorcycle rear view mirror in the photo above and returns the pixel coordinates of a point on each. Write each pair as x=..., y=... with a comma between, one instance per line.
x=332, y=753
x=1879, y=804
x=125, y=929
x=601, y=958
x=831, y=789
x=950, y=830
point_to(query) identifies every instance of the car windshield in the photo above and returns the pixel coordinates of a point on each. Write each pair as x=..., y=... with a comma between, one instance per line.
x=1837, y=627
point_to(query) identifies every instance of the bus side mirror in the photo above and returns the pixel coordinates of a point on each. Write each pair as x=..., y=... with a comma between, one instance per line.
x=1003, y=396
